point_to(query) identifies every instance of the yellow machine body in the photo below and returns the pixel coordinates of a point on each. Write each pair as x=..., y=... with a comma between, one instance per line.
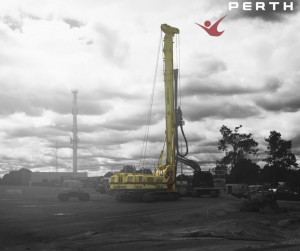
x=137, y=181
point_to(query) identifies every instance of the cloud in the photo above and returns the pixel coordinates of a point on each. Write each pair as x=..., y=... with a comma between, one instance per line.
x=73, y=22
x=113, y=47
x=285, y=99
x=40, y=132
x=205, y=109
x=36, y=104
x=10, y=104
x=284, y=104
x=108, y=54
x=212, y=78
x=12, y=23
x=210, y=87
x=132, y=122
x=268, y=14
x=272, y=84
x=295, y=143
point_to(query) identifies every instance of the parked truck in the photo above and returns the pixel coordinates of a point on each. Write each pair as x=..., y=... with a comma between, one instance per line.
x=73, y=188
x=238, y=190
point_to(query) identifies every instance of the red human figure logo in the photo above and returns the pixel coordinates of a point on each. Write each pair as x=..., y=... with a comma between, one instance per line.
x=213, y=30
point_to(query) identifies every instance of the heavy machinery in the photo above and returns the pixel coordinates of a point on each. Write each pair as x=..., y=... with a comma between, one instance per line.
x=162, y=185
x=202, y=182
x=73, y=188
x=103, y=186
x=261, y=199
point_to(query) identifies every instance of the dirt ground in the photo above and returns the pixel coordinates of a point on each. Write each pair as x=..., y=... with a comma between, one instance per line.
x=45, y=224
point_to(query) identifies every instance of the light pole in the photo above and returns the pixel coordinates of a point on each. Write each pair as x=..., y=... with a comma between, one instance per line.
x=56, y=155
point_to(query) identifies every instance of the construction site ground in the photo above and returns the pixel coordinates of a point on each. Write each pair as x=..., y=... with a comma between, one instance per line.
x=44, y=223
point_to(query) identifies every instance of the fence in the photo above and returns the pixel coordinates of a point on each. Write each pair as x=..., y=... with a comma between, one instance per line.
x=288, y=193
x=35, y=190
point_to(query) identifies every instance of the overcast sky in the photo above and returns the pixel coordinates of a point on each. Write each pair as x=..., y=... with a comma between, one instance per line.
x=107, y=50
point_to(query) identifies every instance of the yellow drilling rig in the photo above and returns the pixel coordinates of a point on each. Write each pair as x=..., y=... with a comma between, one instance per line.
x=162, y=184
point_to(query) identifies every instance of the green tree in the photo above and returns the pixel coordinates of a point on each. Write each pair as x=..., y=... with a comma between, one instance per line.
x=236, y=146
x=12, y=178
x=293, y=178
x=128, y=169
x=144, y=171
x=15, y=177
x=109, y=174
x=267, y=174
x=184, y=177
x=221, y=166
x=246, y=171
x=279, y=156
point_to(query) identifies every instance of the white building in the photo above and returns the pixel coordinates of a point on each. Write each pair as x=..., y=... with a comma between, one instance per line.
x=55, y=177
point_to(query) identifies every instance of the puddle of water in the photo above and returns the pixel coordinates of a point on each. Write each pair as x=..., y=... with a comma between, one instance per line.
x=65, y=214
x=9, y=199
x=29, y=206
x=48, y=205
x=39, y=206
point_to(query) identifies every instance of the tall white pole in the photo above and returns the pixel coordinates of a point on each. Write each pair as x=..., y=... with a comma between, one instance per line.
x=75, y=139
x=56, y=154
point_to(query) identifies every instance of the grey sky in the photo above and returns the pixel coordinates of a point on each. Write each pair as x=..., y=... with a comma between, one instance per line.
x=107, y=50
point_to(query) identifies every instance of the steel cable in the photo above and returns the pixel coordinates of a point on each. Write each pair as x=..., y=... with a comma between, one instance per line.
x=145, y=141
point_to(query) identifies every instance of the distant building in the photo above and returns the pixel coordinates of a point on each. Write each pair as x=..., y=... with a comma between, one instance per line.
x=25, y=178
x=236, y=189
x=219, y=178
x=54, y=178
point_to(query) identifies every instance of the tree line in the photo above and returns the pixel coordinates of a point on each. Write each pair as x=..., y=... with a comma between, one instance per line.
x=281, y=165
x=14, y=177
x=130, y=169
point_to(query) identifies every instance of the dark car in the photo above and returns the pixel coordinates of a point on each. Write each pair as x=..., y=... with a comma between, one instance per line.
x=100, y=189
x=285, y=193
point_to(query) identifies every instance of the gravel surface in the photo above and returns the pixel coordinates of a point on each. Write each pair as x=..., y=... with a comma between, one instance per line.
x=43, y=223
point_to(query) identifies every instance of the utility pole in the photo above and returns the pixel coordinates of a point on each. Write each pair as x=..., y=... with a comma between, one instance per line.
x=56, y=154
x=75, y=139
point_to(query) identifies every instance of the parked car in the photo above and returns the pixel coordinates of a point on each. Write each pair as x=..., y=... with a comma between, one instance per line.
x=100, y=189
x=285, y=193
